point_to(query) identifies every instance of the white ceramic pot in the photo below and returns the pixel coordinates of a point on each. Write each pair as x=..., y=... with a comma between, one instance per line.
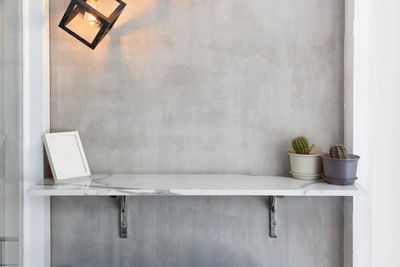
x=306, y=167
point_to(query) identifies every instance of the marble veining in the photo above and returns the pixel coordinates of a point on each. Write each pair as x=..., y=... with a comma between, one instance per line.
x=191, y=185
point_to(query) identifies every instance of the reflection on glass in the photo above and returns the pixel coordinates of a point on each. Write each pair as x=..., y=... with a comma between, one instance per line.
x=10, y=130
x=89, y=18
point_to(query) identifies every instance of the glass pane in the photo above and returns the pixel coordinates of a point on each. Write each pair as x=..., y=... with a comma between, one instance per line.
x=105, y=7
x=10, y=129
x=85, y=25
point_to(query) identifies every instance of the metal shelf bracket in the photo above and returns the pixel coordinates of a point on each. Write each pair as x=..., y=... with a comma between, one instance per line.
x=123, y=217
x=272, y=216
x=123, y=213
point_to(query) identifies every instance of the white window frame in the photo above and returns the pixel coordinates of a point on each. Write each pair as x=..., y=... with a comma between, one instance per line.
x=35, y=247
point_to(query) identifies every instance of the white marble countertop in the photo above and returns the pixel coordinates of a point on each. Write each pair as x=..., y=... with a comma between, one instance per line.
x=191, y=185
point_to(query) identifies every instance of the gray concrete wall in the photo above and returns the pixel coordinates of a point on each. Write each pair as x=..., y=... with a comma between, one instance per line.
x=197, y=232
x=207, y=87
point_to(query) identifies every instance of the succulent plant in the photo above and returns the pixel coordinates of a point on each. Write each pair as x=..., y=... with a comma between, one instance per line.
x=300, y=145
x=338, y=152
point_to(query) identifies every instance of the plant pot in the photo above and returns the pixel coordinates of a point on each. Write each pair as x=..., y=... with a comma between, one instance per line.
x=340, y=171
x=306, y=166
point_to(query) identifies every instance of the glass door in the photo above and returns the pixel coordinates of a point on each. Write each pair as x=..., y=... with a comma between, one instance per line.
x=10, y=130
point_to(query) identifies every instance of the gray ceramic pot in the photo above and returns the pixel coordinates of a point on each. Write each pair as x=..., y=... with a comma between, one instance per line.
x=340, y=171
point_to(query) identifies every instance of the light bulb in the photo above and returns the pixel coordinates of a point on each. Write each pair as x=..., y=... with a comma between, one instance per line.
x=90, y=18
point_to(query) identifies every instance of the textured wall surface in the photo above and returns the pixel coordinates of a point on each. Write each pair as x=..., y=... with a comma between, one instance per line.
x=197, y=232
x=200, y=86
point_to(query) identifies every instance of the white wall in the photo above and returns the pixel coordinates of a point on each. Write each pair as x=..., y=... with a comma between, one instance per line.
x=360, y=102
x=377, y=127
x=385, y=125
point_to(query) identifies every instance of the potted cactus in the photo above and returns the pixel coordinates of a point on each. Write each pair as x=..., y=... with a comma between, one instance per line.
x=305, y=164
x=340, y=167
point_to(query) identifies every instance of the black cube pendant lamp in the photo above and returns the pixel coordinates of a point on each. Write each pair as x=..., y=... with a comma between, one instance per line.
x=103, y=23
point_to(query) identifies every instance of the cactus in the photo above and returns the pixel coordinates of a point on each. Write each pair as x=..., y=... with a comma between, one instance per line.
x=300, y=145
x=338, y=152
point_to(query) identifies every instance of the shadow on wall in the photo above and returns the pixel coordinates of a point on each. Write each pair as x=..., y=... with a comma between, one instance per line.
x=220, y=255
x=135, y=26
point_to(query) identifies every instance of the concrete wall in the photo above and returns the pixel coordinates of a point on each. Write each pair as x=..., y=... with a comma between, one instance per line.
x=197, y=232
x=201, y=86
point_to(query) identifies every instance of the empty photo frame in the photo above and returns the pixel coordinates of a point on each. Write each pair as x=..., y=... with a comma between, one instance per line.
x=66, y=156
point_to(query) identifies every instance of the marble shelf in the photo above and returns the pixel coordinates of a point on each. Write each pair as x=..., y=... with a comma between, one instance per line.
x=190, y=185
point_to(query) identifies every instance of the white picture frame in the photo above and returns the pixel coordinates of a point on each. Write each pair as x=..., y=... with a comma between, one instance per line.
x=66, y=155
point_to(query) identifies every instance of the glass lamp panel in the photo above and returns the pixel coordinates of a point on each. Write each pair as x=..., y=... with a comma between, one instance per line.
x=106, y=7
x=82, y=27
